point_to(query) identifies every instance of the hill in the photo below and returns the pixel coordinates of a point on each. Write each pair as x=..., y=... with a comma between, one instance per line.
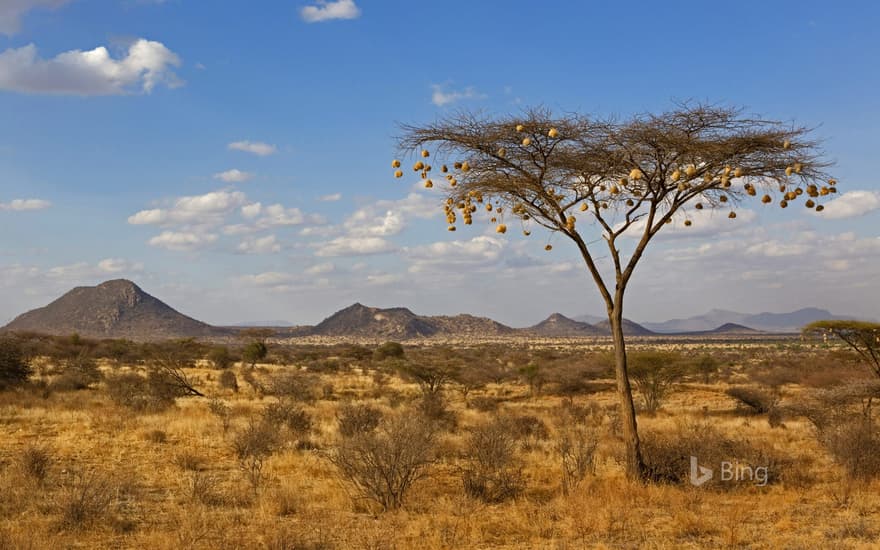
x=630, y=328
x=114, y=309
x=770, y=322
x=558, y=325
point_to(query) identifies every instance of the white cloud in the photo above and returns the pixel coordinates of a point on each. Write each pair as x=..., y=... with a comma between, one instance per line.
x=182, y=241
x=851, y=204
x=19, y=205
x=353, y=246
x=262, y=245
x=119, y=265
x=321, y=269
x=267, y=279
x=146, y=64
x=452, y=255
x=251, y=211
x=441, y=97
x=256, y=147
x=207, y=209
x=233, y=176
x=328, y=10
x=365, y=222
x=330, y=198
x=11, y=12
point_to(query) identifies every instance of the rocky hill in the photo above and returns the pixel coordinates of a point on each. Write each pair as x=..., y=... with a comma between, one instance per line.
x=630, y=328
x=560, y=326
x=114, y=309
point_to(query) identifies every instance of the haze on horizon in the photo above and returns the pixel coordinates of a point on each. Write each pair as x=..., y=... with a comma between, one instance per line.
x=234, y=161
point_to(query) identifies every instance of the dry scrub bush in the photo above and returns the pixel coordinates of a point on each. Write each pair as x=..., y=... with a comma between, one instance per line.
x=285, y=416
x=484, y=403
x=141, y=394
x=222, y=411
x=756, y=399
x=434, y=408
x=35, y=463
x=529, y=430
x=493, y=470
x=14, y=367
x=846, y=425
x=576, y=446
x=353, y=419
x=253, y=445
x=228, y=381
x=667, y=455
x=382, y=465
x=79, y=373
x=84, y=501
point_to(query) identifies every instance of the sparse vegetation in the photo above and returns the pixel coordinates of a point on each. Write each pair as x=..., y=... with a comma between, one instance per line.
x=280, y=455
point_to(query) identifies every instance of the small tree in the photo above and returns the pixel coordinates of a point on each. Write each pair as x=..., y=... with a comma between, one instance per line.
x=861, y=336
x=655, y=374
x=14, y=368
x=614, y=181
x=220, y=357
x=254, y=352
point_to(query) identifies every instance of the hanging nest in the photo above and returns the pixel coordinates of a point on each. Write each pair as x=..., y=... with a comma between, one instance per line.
x=548, y=248
x=690, y=171
x=820, y=208
x=723, y=198
x=584, y=207
x=465, y=167
x=502, y=152
x=732, y=215
x=520, y=127
x=738, y=173
x=553, y=133
x=418, y=166
x=425, y=153
x=398, y=173
x=635, y=174
x=786, y=144
x=488, y=207
x=444, y=169
x=766, y=198
x=395, y=163
x=676, y=175
x=429, y=184
x=501, y=228
x=451, y=228
x=783, y=203
x=526, y=142
x=809, y=204
x=698, y=206
x=687, y=223
x=789, y=171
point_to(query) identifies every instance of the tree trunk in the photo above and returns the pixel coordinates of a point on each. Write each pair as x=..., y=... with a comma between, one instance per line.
x=635, y=466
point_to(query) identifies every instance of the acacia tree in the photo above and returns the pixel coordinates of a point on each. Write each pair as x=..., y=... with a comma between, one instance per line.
x=625, y=179
x=861, y=336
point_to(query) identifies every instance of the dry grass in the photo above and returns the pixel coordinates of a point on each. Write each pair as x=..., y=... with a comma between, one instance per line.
x=79, y=470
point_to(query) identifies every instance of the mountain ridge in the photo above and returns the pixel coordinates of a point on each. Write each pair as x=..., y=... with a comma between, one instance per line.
x=120, y=309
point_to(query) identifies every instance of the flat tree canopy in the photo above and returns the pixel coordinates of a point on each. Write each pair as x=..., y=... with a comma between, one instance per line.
x=861, y=336
x=595, y=180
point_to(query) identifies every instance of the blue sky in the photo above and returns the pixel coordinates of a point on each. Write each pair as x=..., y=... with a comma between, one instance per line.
x=124, y=163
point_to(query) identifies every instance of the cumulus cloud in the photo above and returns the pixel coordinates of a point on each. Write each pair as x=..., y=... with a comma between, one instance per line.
x=255, y=147
x=145, y=65
x=453, y=255
x=233, y=176
x=320, y=269
x=250, y=211
x=11, y=12
x=330, y=198
x=207, y=209
x=182, y=241
x=326, y=10
x=441, y=97
x=20, y=205
x=354, y=246
x=851, y=205
x=119, y=265
x=263, y=245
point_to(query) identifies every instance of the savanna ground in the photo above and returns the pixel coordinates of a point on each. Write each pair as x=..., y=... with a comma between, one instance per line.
x=490, y=446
